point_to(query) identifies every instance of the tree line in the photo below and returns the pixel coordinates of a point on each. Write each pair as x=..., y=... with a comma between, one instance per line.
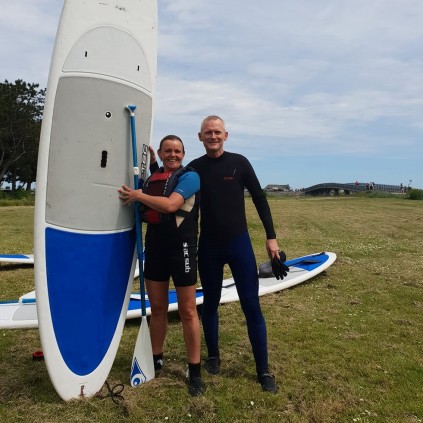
x=21, y=108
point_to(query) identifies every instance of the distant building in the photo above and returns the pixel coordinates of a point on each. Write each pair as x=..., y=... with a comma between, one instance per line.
x=275, y=188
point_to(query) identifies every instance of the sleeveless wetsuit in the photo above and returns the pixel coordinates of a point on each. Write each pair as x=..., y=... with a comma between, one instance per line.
x=171, y=245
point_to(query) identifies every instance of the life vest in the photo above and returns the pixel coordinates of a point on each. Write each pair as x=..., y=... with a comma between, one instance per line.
x=162, y=184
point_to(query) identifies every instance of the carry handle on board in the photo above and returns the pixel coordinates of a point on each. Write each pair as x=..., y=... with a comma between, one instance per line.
x=142, y=369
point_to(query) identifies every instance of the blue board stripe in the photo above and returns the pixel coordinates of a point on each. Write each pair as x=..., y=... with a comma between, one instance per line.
x=310, y=262
x=28, y=300
x=87, y=278
x=14, y=256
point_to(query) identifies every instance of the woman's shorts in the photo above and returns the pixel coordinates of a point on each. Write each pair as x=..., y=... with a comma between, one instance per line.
x=176, y=262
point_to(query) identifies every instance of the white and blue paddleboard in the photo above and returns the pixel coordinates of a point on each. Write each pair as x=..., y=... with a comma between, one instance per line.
x=104, y=59
x=17, y=258
x=22, y=313
x=301, y=269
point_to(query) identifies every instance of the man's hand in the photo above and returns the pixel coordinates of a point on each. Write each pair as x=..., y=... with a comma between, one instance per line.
x=280, y=269
x=272, y=248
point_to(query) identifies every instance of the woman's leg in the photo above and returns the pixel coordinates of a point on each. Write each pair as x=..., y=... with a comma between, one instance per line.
x=191, y=329
x=190, y=323
x=159, y=302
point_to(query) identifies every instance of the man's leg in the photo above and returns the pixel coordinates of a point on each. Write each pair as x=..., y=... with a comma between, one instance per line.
x=210, y=266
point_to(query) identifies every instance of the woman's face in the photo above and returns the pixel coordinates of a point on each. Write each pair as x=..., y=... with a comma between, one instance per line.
x=171, y=154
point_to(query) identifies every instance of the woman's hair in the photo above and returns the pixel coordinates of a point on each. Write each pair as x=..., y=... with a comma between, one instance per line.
x=172, y=138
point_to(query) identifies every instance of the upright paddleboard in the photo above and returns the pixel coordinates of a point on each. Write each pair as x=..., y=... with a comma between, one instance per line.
x=104, y=59
x=22, y=313
x=17, y=258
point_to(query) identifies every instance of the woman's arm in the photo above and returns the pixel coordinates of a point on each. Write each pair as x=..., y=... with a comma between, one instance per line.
x=161, y=204
x=153, y=161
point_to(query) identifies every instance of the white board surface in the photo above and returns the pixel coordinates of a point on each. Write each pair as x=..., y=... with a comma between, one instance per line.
x=104, y=59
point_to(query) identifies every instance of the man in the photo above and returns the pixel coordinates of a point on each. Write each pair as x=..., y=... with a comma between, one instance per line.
x=224, y=239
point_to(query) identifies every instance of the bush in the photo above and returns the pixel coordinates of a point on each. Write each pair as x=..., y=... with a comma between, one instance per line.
x=379, y=194
x=416, y=194
x=19, y=197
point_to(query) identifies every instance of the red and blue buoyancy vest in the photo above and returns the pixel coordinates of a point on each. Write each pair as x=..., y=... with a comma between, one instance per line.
x=162, y=184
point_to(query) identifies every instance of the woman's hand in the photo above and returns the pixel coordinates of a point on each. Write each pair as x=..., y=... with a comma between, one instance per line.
x=152, y=155
x=127, y=194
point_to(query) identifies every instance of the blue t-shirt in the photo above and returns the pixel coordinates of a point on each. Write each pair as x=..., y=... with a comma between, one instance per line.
x=188, y=184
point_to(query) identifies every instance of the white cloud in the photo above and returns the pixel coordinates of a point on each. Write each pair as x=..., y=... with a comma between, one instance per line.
x=325, y=77
x=27, y=30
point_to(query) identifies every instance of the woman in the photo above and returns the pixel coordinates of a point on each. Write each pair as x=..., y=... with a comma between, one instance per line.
x=169, y=205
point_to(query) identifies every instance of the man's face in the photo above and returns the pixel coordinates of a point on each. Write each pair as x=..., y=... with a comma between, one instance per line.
x=213, y=135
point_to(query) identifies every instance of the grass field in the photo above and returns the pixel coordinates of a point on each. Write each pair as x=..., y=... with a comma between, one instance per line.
x=347, y=346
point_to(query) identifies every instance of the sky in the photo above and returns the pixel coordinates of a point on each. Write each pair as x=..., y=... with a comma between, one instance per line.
x=311, y=91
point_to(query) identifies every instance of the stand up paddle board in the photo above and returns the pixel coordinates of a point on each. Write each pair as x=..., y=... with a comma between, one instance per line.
x=17, y=258
x=104, y=58
x=300, y=270
x=22, y=313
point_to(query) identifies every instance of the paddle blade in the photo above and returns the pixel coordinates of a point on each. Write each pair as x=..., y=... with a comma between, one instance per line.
x=142, y=362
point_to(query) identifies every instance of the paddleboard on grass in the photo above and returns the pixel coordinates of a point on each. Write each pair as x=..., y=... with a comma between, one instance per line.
x=300, y=270
x=22, y=313
x=17, y=258
x=104, y=59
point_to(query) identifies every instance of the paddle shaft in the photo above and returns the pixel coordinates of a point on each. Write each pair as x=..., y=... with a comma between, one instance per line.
x=138, y=182
x=142, y=368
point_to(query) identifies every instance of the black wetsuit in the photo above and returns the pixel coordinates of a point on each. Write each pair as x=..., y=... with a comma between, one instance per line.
x=171, y=246
x=224, y=239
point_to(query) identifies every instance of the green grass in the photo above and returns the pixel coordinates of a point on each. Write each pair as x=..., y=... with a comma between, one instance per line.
x=345, y=347
x=17, y=198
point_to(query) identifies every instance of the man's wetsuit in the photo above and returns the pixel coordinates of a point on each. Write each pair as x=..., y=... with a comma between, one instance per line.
x=224, y=239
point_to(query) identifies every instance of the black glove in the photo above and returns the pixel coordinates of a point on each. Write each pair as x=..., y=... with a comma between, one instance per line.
x=280, y=269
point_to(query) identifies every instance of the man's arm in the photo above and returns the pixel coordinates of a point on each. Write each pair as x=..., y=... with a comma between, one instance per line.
x=262, y=206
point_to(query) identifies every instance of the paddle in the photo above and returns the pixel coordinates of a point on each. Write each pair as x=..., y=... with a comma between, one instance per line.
x=142, y=369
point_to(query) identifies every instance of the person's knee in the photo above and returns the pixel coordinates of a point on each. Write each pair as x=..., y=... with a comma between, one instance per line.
x=158, y=309
x=188, y=314
x=251, y=308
